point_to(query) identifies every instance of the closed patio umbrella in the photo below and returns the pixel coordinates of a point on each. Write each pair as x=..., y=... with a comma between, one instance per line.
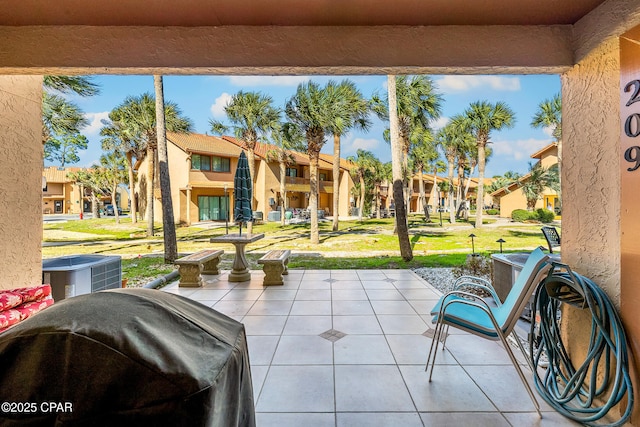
x=242, y=192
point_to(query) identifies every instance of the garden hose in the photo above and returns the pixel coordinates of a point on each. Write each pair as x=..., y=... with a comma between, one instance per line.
x=585, y=393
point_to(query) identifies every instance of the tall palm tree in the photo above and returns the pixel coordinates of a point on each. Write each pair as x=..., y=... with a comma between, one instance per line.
x=364, y=165
x=113, y=172
x=402, y=226
x=90, y=179
x=480, y=119
x=252, y=116
x=139, y=116
x=449, y=140
x=63, y=120
x=168, y=222
x=436, y=167
x=286, y=137
x=422, y=155
x=549, y=115
x=118, y=137
x=311, y=109
x=418, y=104
x=351, y=111
x=538, y=179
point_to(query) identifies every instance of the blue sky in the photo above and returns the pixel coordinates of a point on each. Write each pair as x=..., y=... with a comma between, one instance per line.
x=202, y=98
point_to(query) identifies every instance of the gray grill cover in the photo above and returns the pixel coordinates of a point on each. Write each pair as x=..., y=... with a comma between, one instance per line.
x=128, y=357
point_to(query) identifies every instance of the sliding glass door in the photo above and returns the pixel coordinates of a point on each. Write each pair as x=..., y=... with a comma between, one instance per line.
x=212, y=208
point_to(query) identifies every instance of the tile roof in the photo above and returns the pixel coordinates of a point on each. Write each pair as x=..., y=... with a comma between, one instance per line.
x=538, y=154
x=205, y=144
x=57, y=174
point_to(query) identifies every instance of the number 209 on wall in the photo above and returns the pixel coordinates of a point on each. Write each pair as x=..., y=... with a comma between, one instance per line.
x=632, y=126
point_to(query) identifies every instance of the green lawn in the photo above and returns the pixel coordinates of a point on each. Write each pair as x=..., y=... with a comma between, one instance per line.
x=367, y=244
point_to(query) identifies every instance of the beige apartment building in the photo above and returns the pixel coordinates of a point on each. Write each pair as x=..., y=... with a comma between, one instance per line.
x=202, y=167
x=511, y=197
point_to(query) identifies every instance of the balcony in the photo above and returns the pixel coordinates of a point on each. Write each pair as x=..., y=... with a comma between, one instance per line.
x=303, y=185
x=347, y=348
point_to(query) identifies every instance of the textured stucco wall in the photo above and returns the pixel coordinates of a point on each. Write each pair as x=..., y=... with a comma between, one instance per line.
x=20, y=181
x=591, y=169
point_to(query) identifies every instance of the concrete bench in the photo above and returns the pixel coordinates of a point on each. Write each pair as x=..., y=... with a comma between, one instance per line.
x=191, y=267
x=275, y=265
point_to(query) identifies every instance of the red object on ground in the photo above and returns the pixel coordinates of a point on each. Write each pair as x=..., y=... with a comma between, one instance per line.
x=80, y=215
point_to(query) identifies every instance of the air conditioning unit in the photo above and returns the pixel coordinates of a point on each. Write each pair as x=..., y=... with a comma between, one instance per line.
x=81, y=274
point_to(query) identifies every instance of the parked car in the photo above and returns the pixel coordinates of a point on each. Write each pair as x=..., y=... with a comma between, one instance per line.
x=109, y=210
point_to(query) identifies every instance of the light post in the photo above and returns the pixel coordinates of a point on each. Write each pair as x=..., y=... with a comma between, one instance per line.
x=226, y=214
x=473, y=247
x=501, y=241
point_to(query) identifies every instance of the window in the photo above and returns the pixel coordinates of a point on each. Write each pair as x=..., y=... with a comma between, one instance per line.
x=293, y=172
x=221, y=164
x=199, y=162
x=323, y=176
x=208, y=163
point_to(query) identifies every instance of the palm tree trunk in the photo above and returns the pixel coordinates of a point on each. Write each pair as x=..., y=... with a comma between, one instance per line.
x=313, y=195
x=452, y=215
x=151, y=168
x=336, y=181
x=251, y=157
x=434, y=189
x=398, y=178
x=168, y=223
x=361, y=203
x=95, y=212
x=423, y=197
x=113, y=203
x=283, y=192
x=480, y=198
x=133, y=204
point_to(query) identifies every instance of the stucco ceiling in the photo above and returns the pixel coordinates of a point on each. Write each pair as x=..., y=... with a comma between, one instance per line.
x=294, y=12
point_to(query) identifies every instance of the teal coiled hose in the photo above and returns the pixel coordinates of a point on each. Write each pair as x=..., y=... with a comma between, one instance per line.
x=584, y=393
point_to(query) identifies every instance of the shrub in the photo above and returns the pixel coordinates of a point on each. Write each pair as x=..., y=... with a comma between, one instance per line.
x=522, y=215
x=493, y=212
x=545, y=215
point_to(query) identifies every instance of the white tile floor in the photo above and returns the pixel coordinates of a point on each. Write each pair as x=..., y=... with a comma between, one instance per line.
x=369, y=371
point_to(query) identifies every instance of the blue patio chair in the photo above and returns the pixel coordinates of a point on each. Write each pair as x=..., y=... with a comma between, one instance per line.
x=469, y=312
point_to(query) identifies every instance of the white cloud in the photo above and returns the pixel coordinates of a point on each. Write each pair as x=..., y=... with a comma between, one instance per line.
x=548, y=130
x=466, y=83
x=268, y=80
x=364, y=144
x=520, y=149
x=95, y=122
x=217, y=108
x=440, y=123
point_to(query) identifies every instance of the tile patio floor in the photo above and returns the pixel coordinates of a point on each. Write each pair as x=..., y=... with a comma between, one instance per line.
x=346, y=348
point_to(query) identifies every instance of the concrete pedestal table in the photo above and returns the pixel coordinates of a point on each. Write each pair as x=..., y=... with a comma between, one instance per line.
x=240, y=270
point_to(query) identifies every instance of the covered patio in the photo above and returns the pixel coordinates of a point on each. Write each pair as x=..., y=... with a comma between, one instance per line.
x=348, y=348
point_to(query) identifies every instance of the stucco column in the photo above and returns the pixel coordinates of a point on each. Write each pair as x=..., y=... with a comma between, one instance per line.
x=21, y=156
x=188, y=206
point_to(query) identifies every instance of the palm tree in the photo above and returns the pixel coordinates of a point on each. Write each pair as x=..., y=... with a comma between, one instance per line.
x=62, y=120
x=112, y=172
x=549, y=115
x=422, y=155
x=402, y=226
x=168, y=223
x=139, y=117
x=436, y=167
x=538, y=179
x=480, y=119
x=364, y=165
x=311, y=109
x=90, y=179
x=286, y=137
x=351, y=110
x=252, y=116
x=417, y=105
x=448, y=139
x=117, y=137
